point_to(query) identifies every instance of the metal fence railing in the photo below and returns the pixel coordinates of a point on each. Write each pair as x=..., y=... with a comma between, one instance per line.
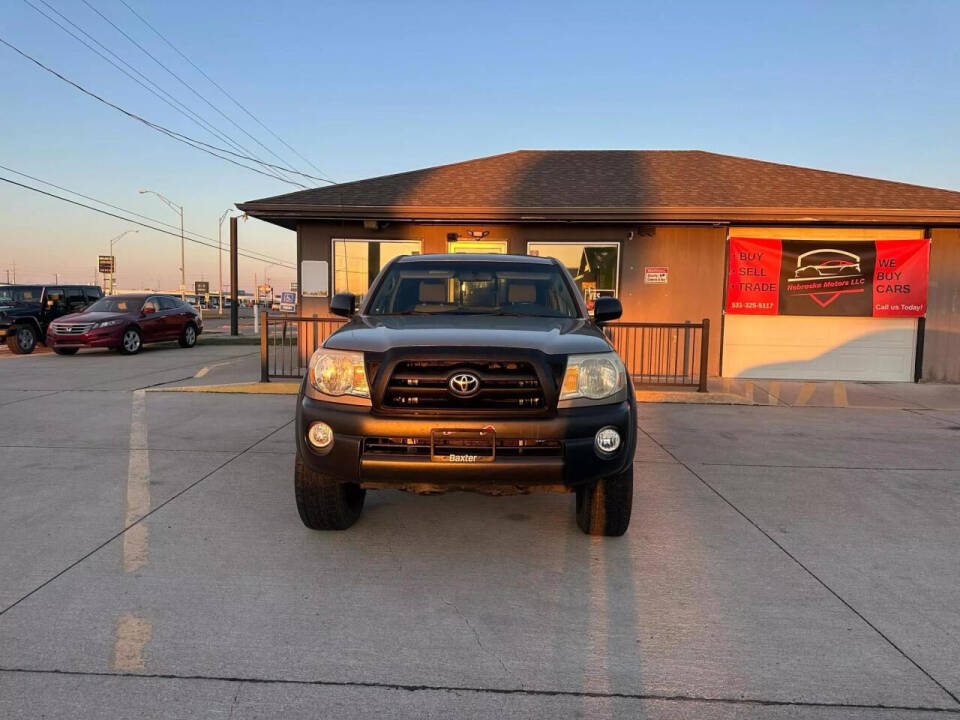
x=663, y=353
x=653, y=353
x=287, y=342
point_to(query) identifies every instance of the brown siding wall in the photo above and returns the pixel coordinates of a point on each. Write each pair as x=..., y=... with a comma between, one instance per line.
x=941, y=353
x=693, y=254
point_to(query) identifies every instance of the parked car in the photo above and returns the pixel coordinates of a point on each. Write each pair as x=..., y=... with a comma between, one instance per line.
x=126, y=322
x=467, y=372
x=26, y=311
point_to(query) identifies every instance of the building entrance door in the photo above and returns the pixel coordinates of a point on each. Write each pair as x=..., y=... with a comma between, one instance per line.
x=494, y=247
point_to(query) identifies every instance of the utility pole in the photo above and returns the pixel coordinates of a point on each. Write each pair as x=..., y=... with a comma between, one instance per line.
x=234, y=301
x=183, y=264
x=220, y=254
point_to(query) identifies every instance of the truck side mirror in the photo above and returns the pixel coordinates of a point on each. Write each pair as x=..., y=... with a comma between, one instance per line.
x=606, y=309
x=344, y=304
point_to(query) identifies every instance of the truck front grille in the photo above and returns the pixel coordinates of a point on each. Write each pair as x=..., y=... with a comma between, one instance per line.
x=420, y=447
x=503, y=385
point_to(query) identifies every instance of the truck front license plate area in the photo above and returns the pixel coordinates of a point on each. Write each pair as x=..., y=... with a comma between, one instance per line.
x=463, y=446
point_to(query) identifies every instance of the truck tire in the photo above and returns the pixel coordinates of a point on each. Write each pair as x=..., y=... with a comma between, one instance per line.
x=603, y=506
x=324, y=503
x=65, y=351
x=22, y=339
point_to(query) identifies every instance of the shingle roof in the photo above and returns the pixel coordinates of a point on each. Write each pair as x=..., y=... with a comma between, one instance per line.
x=623, y=182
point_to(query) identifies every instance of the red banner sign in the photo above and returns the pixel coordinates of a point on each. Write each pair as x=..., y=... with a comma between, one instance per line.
x=883, y=278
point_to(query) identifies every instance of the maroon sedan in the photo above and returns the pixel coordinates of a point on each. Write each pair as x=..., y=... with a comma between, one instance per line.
x=126, y=322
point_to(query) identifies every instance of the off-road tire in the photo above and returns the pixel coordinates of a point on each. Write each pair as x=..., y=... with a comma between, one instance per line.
x=603, y=506
x=65, y=351
x=16, y=337
x=188, y=336
x=129, y=348
x=324, y=503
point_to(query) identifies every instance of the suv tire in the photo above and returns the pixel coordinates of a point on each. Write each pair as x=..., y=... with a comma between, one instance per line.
x=22, y=339
x=324, y=503
x=65, y=351
x=188, y=336
x=603, y=507
x=131, y=341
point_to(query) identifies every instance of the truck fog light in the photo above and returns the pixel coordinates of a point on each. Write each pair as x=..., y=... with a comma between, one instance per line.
x=321, y=435
x=607, y=440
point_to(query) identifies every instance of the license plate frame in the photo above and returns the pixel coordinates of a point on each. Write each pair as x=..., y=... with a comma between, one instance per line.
x=485, y=440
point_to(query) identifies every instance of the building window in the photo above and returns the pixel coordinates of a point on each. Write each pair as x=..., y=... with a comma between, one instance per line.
x=357, y=262
x=595, y=266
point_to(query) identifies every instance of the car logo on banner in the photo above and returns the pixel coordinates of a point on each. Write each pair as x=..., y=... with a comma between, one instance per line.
x=464, y=385
x=837, y=271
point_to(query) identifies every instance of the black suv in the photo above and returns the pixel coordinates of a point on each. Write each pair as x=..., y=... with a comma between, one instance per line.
x=27, y=310
x=467, y=372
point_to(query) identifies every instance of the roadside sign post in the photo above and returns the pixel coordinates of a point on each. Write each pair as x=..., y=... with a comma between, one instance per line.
x=107, y=266
x=234, y=329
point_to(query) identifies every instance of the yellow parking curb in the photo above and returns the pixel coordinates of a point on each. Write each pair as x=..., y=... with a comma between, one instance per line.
x=256, y=388
x=693, y=398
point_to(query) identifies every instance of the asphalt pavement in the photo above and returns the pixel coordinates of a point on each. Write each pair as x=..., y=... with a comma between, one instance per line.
x=783, y=562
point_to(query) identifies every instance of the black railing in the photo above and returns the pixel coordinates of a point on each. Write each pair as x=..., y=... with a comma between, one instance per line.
x=654, y=353
x=287, y=342
x=663, y=353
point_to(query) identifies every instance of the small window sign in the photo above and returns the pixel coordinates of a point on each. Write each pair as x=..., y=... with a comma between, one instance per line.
x=314, y=278
x=655, y=275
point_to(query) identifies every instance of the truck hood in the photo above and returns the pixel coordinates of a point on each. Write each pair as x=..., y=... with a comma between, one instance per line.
x=553, y=336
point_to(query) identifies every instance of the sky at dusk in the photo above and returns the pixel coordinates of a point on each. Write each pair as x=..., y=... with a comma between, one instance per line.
x=370, y=88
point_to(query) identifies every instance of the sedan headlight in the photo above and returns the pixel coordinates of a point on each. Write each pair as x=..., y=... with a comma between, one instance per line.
x=337, y=372
x=595, y=377
x=106, y=323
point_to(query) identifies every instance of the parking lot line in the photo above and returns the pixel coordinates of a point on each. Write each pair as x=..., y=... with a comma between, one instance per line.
x=137, y=501
x=839, y=394
x=131, y=636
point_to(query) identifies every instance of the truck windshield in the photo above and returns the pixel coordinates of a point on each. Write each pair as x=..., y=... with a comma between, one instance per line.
x=21, y=293
x=471, y=287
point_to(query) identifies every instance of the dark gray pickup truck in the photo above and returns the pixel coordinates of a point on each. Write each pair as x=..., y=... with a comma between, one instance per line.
x=467, y=372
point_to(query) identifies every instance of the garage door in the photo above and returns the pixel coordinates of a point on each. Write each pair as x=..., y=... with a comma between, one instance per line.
x=818, y=348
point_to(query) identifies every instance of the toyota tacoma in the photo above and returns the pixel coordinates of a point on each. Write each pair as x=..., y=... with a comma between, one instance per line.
x=467, y=372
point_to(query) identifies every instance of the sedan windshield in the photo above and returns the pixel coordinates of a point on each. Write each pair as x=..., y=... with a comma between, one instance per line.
x=115, y=304
x=472, y=287
x=20, y=293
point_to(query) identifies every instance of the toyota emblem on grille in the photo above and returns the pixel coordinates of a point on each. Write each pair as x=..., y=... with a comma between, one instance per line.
x=464, y=385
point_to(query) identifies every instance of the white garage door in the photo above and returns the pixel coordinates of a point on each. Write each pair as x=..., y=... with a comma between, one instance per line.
x=819, y=348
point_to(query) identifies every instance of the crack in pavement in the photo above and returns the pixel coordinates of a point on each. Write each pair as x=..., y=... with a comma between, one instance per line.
x=410, y=687
x=810, y=572
x=476, y=635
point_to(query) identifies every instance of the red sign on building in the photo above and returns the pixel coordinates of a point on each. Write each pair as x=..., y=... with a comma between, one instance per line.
x=884, y=278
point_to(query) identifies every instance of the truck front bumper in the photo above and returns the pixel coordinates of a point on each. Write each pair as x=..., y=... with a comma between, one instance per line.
x=574, y=459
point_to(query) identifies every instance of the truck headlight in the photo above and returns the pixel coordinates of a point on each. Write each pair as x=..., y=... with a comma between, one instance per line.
x=337, y=372
x=595, y=377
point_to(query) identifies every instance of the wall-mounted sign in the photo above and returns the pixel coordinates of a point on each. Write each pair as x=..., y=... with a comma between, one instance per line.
x=201, y=287
x=106, y=264
x=882, y=278
x=655, y=275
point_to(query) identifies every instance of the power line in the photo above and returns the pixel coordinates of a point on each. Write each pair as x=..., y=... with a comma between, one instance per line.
x=152, y=88
x=186, y=233
x=126, y=219
x=181, y=80
x=159, y=92
x=220, y=88
x=180, y=137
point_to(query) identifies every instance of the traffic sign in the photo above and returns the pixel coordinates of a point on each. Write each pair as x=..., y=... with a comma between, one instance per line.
x=201, y=287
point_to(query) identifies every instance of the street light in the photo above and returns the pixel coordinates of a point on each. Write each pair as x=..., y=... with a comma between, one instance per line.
x=220, y=256
x=178, y=208
x=113, y=263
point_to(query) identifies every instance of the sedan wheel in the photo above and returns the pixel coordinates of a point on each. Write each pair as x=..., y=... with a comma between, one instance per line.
x=130, y=343
x=188, y=338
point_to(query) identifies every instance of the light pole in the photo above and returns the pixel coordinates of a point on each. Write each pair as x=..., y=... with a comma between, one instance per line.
x=220, y=254
x=183, y=271
x=112, y=241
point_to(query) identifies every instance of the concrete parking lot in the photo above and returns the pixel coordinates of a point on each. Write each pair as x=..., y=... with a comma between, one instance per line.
x=785, y=561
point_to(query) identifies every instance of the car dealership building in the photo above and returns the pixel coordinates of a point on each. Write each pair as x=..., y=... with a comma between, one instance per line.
x=804, y=274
